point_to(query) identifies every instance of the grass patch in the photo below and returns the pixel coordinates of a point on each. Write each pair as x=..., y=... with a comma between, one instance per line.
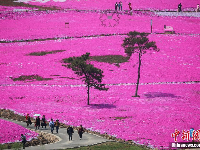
x=30, y=77
x=110, y=58
x=67, y=78
x=111, y=146
x=120, y=118
x=13, y=146
x=42, y=53
x=106, y=58
x=169, y=32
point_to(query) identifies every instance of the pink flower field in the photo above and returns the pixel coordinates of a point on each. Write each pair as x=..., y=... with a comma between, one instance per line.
x=169, y=85
x=41, y=25
x=11, y=132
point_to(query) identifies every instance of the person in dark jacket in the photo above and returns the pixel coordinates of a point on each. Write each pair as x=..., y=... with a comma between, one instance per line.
x=179, y=7
x=37, y=124
x=119, y=5
x=80, y=131
x=70, y=131
x=23, y=138
x=43, y=123
x=116, y=5
x=57, y=124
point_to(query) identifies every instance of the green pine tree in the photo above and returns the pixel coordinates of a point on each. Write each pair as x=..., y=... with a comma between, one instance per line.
x=137, y=42
x=90, y=75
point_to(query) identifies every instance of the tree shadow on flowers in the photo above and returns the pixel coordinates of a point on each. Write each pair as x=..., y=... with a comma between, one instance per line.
x=159, y=94
x=101, y=106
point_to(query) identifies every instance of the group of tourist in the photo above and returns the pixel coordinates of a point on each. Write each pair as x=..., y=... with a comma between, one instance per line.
x=53, y=124
x=43, y=123
x=118, y=6
x=70, y=132
x=37, y=122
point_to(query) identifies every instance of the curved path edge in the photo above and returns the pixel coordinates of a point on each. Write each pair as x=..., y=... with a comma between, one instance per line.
x=63, y=143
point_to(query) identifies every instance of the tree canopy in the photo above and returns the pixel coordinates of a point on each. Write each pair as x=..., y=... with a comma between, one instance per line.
x=90, y=75
x=137, y=42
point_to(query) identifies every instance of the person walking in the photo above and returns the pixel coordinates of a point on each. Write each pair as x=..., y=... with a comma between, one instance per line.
x=80, y=131
x=197, y=10
x=70, y=131
x=179, y=7
x=121, y=5
x=23, y=138
x=43, y=123
x=57, y=124
x=51, y=124
x=116, y=5
x=130, y=7
x=37, y=123
x=28, y=120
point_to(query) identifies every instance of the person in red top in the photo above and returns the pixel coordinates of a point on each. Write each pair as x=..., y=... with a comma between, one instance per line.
x=130, y=8
x=80, y=131
x=28, y=120
x=27, y=116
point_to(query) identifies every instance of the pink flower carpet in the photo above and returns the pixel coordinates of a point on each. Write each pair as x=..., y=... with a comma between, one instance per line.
x=169, y=85
x=11, y=132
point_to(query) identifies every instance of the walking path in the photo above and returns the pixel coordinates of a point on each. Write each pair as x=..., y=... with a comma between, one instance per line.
x=88, y=139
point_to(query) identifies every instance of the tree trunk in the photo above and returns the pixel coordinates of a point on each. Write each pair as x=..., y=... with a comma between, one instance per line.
x=88, y=92
x=138, y=79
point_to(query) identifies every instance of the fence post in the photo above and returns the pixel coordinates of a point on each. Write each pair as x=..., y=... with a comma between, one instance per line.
x=67, y=23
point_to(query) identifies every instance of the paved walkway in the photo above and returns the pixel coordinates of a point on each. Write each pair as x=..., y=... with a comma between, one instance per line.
x=88, y=139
